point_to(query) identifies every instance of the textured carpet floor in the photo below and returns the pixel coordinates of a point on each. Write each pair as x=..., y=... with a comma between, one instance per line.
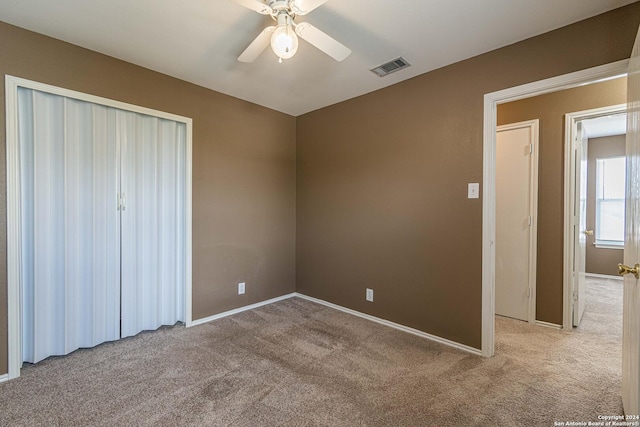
x=296, y=363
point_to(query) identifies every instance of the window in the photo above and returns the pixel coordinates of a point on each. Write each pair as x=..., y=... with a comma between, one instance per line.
x=610, y=187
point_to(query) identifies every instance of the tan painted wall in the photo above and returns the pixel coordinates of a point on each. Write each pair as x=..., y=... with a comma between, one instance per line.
x=243, y=176
x=550, y=110
x=382, y=183
x=600, y=260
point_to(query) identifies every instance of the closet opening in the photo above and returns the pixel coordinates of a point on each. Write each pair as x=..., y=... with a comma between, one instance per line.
x=99, y=220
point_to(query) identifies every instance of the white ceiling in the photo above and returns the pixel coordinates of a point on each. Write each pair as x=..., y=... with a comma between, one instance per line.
x=199, y=40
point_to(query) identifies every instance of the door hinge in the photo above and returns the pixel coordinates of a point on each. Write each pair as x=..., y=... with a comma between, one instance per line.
x=530, y=148
x=530, y=220
x=575, y=295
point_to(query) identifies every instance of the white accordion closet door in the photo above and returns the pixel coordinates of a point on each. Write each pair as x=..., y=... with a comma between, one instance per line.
x=102, y=223
x=69, y=225
x=153, y=229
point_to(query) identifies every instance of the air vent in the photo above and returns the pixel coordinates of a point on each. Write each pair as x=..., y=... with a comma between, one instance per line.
x=390, y=67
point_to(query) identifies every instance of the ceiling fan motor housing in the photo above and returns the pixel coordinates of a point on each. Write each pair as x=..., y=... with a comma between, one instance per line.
x=279, y=6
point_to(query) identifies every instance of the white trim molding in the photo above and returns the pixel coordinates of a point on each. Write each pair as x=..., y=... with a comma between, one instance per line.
x=491, y=102
x=604, y=276
x=14, y=279
x=240, y=310
x=608, y=246
x=345, y=310
x=14, y=260
x=4, y=378
x=394, y=325
x=548, y=325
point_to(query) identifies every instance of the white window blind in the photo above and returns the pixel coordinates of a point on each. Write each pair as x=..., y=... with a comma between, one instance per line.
x=610, y=188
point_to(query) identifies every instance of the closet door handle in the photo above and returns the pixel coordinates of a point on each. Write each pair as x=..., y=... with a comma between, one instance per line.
x=121, y=202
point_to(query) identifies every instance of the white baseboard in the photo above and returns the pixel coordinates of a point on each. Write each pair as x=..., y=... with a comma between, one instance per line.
x=345, y=310
x=394, y=325
x=604, y=276
x=240, y=310
x=548, y=325
x=4, y=378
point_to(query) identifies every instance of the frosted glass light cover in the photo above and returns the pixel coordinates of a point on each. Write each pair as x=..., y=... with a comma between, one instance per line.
x=284, y=42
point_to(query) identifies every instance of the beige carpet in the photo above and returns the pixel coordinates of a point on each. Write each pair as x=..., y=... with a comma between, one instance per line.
x=296, y=363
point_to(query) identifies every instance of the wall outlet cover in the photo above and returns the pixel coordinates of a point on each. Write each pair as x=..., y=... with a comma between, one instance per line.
x=474, y=190
x=241, y=288
x=369, y=295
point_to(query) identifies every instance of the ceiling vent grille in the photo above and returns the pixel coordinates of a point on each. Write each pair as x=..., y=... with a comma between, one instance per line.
x=390, y=67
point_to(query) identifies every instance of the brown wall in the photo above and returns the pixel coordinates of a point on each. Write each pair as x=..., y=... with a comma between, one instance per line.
x=550, y=110
x=243, y=176
x=382, y=182
x=601, y=260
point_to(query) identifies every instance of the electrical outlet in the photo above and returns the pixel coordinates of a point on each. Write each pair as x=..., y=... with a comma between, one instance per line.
x=369, y=295
x=240, y=288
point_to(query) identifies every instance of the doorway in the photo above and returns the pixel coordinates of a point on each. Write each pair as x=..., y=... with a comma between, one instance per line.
x=601, y=176
x=491, y=102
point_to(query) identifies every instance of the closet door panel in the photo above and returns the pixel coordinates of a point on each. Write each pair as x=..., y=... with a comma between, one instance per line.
x=70, y=271
x=41, y=133
x=105, y=228
x=91, y=224
x=152, y=162
x=171, y=204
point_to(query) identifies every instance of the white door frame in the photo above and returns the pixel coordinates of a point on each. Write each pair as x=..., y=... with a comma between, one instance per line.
x=570, y=133
x=491, y=101
x=534, y=132
x=14, y=280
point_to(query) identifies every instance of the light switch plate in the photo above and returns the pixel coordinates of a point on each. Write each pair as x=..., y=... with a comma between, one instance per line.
x=241, y=288
x=474, y=190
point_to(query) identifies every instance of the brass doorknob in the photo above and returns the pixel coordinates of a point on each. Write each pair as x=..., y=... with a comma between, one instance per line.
x=588, y=232
x=624, y=269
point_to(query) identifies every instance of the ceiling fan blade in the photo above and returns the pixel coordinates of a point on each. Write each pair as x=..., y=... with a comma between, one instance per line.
x=257, y=45
x=256, y=5
x=302, y=7
x=322, y=41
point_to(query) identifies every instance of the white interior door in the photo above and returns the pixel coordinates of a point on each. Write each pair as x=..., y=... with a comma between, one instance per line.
x=516, y=198
x=631, y=302
x=580, y=224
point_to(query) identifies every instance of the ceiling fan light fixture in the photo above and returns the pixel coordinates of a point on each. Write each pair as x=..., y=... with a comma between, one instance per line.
x=284, y=41
x=283, y=36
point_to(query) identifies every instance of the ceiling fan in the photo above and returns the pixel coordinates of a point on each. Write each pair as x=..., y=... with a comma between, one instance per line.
x=283, y=36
